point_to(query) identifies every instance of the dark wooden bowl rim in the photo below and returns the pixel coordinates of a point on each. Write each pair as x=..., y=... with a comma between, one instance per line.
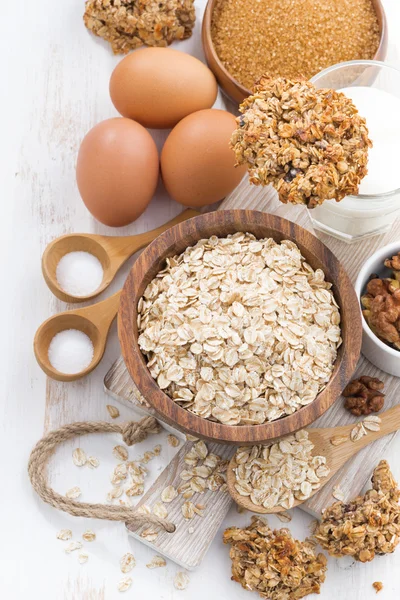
x=174, y=241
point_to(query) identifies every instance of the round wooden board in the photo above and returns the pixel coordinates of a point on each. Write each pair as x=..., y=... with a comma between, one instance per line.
x=222, y=223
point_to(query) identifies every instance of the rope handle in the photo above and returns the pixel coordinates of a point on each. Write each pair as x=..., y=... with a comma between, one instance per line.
x=132, y=433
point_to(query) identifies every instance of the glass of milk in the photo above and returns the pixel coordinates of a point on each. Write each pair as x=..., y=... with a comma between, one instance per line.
x=374, y=88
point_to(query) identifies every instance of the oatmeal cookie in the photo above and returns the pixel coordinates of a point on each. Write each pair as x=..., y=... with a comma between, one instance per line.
x=273, y=563
x=367, y=526
x=310, y=144
x=128, y=24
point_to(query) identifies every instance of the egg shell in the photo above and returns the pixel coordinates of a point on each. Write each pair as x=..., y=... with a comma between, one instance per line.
x=158, y=87
x=117, y=171
x=197, y=164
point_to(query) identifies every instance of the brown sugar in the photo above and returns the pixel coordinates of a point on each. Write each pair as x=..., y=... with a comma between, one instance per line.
x=290, y=39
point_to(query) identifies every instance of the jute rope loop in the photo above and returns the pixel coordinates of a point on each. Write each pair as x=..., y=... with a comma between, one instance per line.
x=132, y=433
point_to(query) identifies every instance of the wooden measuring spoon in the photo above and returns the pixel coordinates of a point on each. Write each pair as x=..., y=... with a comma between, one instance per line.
x=336, y=456
x=111, y=251
x=93, y=320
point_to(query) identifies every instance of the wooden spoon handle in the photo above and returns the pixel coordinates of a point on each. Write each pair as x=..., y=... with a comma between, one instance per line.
x=121, y=248
x=102, y=313
x=390, y=422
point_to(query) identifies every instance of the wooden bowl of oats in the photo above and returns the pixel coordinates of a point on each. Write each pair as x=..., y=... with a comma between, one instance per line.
x=244, y=40
x=231, y=330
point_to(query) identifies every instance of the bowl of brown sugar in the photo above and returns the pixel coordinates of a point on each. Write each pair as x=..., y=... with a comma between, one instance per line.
x=244, y=40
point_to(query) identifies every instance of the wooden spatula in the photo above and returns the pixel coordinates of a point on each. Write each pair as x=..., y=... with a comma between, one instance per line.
x=324, y=441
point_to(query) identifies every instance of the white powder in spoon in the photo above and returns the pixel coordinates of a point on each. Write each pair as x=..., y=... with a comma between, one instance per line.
x=79, y=273
x=70, y=351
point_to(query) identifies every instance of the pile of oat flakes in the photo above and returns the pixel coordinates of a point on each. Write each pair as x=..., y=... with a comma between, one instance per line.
x=280, y=473
x=240, y=330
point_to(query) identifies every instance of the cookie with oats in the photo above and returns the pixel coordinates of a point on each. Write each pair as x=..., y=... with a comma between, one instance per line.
x=273, y=563
x=128, y=24
x=367, y=526
x=310, y=144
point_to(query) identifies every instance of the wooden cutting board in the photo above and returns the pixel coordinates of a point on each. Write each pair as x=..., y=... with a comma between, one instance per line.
x=187, y=548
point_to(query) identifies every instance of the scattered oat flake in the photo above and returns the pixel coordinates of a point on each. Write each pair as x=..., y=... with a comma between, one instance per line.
x=121, y=453
x=201, y=449
x=357, y=432
x=160, y=511
x=149, y=534
x=199, y=509
x=115, y=493
x=191, y=438
x=73, y=493
x=173, y=440
x=136, y=489
x=181, y=580
x=144, y=509
x=157, y=450
x=92, y=462
x=372, y=423
x=284, y=516
x=188, y=510
x=112, y=411
x=169, y=494
x=337, y=493
x=125, y=584
x=79, y=457
x=119, y=474
x=147, y=456
x=336, y=440
x=156, y=561
x=89, y=535
x=378, y=586
x=127, y=562
x=64, y=534
x=125, y=503
x=83, y=557
x=373, y=418
x=73, y=546
x=191, y=530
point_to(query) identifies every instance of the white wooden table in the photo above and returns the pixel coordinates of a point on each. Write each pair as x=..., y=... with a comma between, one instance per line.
x=54, y=87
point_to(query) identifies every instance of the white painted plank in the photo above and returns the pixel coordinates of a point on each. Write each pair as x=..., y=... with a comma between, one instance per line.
x=192, y=538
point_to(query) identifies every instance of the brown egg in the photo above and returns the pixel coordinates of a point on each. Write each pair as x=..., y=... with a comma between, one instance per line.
x=117, y=171
x=197, y=165
x=158, y=87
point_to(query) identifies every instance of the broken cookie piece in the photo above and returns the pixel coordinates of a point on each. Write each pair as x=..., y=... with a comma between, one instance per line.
x=128, y=24
x=367, y=526
x=273, y=563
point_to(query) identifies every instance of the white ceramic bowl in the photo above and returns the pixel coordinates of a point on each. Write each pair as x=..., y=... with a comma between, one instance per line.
x=377, y=352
